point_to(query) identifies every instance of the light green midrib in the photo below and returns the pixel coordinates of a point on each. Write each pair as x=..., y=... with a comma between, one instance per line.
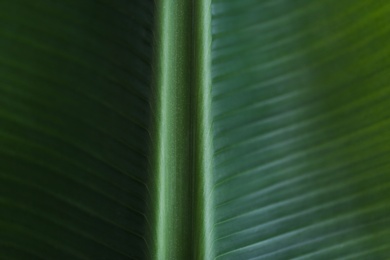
x=182, y=150
x=203, y=150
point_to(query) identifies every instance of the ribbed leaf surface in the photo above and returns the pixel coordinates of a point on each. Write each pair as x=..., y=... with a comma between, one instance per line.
x=301, y=118
x=210, y=129
x=74, y=119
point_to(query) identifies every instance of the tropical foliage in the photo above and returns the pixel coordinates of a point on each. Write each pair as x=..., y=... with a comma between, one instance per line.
x=209, y=129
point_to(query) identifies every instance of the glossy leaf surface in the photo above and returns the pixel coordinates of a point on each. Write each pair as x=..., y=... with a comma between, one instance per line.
x=301, y=129
x=210, y=129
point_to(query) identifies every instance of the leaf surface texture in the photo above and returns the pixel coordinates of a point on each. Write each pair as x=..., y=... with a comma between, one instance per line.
x=210, y=129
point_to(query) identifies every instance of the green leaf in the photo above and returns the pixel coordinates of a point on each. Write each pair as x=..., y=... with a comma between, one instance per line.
x=301, y=129
x=210, y=129
x=75, y=93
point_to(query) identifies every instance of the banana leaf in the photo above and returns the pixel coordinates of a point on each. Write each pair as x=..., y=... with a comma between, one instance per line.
x=209, y=129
